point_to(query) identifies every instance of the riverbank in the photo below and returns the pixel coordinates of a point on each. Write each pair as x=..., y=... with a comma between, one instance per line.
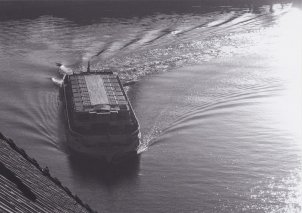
x=26, y=187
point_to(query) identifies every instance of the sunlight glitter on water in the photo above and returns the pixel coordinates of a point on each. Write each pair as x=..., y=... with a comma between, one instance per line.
x=286, y=110
x=223, y=135
x=288, y=56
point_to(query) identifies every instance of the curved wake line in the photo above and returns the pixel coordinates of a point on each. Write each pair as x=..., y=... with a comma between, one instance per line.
x=212, y=109
x=41, y=116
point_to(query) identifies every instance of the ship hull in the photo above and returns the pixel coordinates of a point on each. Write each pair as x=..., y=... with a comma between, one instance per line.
x=104, y=145
x=108, y=147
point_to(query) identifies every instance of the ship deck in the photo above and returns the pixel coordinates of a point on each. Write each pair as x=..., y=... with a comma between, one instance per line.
x=96, y=104
x=97, y=92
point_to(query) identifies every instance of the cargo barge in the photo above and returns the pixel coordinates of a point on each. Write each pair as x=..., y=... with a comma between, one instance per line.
x=99, y=117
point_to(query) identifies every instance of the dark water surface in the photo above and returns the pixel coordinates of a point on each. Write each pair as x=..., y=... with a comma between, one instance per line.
x=218, y=98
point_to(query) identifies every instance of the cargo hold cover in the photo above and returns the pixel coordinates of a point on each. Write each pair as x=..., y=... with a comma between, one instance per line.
x=96, y=90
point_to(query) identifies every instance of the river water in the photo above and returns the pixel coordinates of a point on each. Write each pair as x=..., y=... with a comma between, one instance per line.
x=218, y=97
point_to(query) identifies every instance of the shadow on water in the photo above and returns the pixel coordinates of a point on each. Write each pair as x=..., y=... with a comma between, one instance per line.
x=102, y=172
x=89, y=11
x=83, y=12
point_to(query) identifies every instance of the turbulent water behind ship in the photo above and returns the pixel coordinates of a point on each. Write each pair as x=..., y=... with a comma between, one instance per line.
x=218, y=98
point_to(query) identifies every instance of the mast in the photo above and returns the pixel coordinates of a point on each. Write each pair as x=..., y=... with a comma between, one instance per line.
x=88, y=66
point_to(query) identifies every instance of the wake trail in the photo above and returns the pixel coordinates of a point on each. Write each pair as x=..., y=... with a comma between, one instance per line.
x=164, y=32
